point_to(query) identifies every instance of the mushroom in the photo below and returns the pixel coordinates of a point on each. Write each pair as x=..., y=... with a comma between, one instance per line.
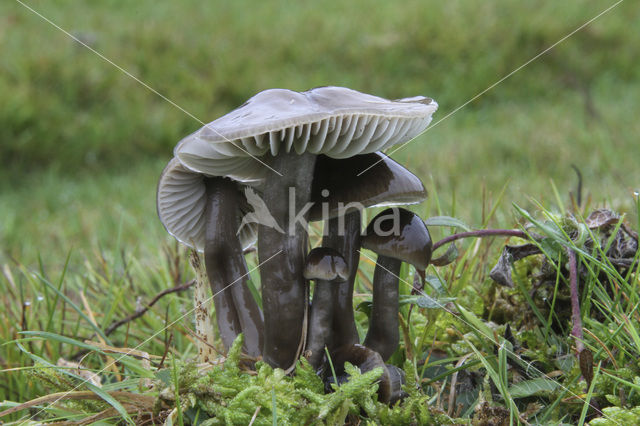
x=366, y=359
x=287, y=130
x=326, y=266
x=204, y=213
x=339, y=192
x=396, y=235
x=397, y=379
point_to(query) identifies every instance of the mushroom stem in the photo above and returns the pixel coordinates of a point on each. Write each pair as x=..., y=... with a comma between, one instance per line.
x=284, y=291
x=236, y=309
x=367, y=359
x=320, y=315
x=396, y=380
x=345, y=240
x=383, y=335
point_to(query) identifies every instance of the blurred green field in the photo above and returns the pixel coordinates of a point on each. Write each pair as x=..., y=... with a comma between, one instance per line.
x=82, y=144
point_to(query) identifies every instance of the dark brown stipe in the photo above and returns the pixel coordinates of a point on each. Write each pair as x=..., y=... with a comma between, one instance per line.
x=284, y=292
x=339, y=194
x=336, y=184
x=396, y=235
x=396, y=380
x=343, y=328
x=218, y=225
x=236, y=309
x=328, y=268
x=320, y=316
x=383, y=335
x=366, y=360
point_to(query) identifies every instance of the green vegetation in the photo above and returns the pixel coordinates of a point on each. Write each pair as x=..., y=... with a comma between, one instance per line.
x=82, y=146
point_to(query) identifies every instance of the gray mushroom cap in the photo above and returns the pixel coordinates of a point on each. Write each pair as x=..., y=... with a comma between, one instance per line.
x=399, y=234
x=325, y=264
x=339, y=182
x=335, y=121
x=180, y=202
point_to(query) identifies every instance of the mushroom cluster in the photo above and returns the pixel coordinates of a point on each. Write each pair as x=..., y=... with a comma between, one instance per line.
x=265, y=170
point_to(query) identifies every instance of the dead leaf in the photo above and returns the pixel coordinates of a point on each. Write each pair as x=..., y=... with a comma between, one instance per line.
x=501, y=273
x=80, y=370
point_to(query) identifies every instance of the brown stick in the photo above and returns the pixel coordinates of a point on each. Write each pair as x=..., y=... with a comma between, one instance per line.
x=481, y=234
x=140, y=312
x=137, y=314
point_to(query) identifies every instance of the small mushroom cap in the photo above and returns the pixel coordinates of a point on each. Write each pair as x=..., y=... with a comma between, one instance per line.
x=180, y=202
x=335, y=121
x=325, y=264
x=342, y=181
x=399, y=234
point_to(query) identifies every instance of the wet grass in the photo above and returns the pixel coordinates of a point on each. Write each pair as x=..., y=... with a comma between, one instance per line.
x=476, y=349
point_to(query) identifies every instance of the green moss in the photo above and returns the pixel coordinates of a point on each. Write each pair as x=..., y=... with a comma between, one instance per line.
x=54, y=381
x=617, y=416
x=229, y=395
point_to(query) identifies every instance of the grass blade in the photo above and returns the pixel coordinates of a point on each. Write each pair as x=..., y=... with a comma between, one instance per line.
x=101, y=393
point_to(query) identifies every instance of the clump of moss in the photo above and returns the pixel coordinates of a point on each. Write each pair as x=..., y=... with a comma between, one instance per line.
x=617, y=416
x=227, y=394
x=54, y=381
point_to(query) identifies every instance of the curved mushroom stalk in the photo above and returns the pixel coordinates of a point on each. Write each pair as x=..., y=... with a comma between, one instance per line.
x=340, y=191
x=397, y=235
x=236, y=309
x=366, y=359
x=282, y=254
x=383, y=335
x=396, y=380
